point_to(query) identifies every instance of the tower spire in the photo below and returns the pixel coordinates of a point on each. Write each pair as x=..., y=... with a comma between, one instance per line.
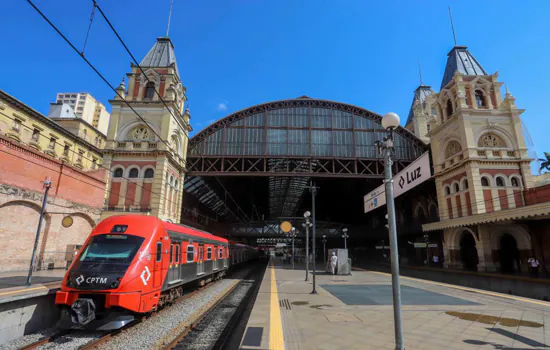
x=452, y=24
x=420, y=73
x=169, y=17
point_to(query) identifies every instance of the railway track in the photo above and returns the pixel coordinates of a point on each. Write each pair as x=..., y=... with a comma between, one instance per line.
x=65, y=337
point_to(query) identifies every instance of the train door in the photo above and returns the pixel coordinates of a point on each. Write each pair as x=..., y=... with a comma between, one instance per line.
x=157, y=269
x=177, y=262
x=225, y=257
x=200, y=260
x=215, y=259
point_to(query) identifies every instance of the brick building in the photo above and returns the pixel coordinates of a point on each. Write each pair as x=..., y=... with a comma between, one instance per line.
x=33, y=148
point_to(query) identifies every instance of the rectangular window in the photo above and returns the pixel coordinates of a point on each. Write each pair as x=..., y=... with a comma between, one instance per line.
x=190, y=253
x=80, y=109
x=35, y=134
x=221, y=253
x=52, y=143
x=94, y=163
x=209, y=253
x=171, y=253
x=159, y=251
x=66, y=150
x=16, y=125
x=177, y=253
x=80, y=155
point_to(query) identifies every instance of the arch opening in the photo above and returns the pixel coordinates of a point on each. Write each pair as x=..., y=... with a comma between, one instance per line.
x=508, y=254
x=468, y=251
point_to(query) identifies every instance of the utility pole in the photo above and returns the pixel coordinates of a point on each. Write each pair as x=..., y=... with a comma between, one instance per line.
x=313, y=190
x=47, y=186
x=307, y=225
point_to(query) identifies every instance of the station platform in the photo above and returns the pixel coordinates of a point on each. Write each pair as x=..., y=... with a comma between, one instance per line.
x=356, y=312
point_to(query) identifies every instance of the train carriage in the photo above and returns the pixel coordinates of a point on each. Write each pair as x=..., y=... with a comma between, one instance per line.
x=134, y=264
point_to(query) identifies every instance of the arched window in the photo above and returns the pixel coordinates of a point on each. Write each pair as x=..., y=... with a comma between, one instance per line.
x=134, y=173
x=447, y=190
x=480, y=99
x=149, y=90
x=452, y=148
x=465, y=184
x=515, y=182
x=491, y=140
x=118, y=172
x=484, y=181
x=500, y=182
x=449, y=108
x=149, y=174
x=176, y=184
x=456, y=188
x=171, y=180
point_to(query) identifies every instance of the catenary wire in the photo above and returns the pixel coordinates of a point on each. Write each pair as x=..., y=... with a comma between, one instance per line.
x=104, y=79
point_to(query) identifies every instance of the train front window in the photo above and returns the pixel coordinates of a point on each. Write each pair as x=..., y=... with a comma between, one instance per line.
x=118, y=248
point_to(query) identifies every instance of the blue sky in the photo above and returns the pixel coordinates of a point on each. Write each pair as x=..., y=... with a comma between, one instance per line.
x=240, y=53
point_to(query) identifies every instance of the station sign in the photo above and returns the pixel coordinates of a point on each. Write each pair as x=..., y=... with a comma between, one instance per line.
x=420, y=245
x=413, y=175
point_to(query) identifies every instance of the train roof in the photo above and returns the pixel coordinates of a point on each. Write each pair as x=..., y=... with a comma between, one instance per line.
x=188, y=230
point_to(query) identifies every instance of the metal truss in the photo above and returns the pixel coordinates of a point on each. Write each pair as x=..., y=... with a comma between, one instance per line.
x=308, y=167
x=303, y=101
x=271, y=229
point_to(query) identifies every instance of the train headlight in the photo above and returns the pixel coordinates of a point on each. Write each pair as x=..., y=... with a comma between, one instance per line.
x=116, y=283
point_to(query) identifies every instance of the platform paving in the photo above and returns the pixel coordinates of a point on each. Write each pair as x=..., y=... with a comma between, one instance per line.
x=355, y=312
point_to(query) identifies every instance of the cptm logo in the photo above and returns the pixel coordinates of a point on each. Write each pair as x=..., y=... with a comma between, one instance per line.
x=81, y=279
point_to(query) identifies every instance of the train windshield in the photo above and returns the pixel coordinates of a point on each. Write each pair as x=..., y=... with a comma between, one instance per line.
x=116, y=248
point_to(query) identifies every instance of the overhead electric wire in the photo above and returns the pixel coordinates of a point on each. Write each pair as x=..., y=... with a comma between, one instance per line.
x=102, y=77
x=138, y=65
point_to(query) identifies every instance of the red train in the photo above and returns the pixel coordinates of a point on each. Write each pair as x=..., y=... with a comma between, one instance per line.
x=134, y=264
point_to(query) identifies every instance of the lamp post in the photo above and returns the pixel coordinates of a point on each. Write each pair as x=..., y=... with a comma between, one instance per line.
x=313, y=190
x=345, y=237
x=47, y=186
x=391, y=121
x=307, y=225
x=293, y=235
x=324, y=249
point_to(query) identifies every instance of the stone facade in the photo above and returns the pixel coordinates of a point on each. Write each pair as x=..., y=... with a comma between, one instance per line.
x=147, y=155
x=74, y=193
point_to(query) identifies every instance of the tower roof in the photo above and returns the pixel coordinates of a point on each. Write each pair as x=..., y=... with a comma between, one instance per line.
x=460, y=59
x=420, y=94
x=161, y=55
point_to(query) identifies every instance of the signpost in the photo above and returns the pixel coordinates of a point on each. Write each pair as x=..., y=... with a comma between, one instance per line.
x=413, y=175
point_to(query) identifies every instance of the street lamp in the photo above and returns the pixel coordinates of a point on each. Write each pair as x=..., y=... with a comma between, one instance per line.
x=324, y=249
x=345, y=237
x=307, y=225
x=293, y=235
x=391, y=121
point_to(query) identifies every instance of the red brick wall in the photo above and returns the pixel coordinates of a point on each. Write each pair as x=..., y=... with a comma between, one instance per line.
x=140, y=164
x=146, y=195
x=459, y=206
x=136, y=89
x=518, y=199
x=537, y=195
x=26, y=168
x=468, y=203
x=114, y=195
x=130, y=193
x=503, y=197
x=454, y=178
x=488, y=201
x=506, y=172
x=449, y=212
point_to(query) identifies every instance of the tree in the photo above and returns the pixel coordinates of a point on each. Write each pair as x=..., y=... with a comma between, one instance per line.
x=545, y=163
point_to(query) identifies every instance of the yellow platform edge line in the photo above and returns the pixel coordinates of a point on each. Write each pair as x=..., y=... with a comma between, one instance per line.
x=474, y=290
x=22, y=290
x=276, y=339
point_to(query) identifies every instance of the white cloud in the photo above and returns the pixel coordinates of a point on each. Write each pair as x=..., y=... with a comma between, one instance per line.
x=222, y=106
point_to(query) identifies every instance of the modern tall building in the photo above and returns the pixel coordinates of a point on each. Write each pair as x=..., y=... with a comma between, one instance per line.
x=84, y=106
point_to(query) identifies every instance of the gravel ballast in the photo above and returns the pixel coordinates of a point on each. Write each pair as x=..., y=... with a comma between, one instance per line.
x=158, y=331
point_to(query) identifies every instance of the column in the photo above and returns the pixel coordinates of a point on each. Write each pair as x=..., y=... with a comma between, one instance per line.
x=122, y=194
x=476, y=193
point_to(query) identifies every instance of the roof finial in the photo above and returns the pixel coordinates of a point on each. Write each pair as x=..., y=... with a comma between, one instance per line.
x=420, y=73
x=169, y=17
x=452, y=25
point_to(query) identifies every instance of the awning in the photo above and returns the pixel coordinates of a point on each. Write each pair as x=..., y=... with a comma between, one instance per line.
x=531, y=211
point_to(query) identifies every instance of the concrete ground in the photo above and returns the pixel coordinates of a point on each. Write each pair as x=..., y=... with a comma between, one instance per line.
x=19, y=279
x=356, y=312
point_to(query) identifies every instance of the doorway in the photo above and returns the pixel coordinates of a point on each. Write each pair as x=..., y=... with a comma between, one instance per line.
x=508, y=254
x=468, y=251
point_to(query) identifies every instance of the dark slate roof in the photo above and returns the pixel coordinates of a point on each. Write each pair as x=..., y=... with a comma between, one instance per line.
x=161, y=55
x=420, y=93
x=462, y=60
